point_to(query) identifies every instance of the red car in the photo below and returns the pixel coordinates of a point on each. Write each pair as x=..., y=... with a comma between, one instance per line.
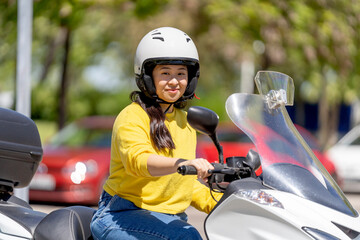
x=75, y=163
x=236, y=143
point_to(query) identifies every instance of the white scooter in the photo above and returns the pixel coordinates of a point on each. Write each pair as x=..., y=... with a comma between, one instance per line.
x=20, y=154
x=281, y=191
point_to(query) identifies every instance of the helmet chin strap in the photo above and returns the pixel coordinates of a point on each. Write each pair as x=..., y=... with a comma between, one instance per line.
x=168, y=108
x=159, y=100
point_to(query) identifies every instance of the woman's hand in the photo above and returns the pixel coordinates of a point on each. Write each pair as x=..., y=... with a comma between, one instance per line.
x=202, y=166
x=160, y=166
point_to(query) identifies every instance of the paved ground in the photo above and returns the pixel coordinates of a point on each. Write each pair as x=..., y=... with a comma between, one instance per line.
x=196, y=218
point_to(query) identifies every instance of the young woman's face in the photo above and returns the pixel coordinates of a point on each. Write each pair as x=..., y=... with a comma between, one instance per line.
x=170, y=81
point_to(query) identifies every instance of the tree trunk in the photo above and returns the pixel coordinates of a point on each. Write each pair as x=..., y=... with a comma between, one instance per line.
x=328, y=119
x=53, y=43
x=62, y=106
x=323, y=114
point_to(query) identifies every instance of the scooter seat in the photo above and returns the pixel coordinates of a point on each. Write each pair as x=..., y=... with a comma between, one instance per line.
x=70, y=223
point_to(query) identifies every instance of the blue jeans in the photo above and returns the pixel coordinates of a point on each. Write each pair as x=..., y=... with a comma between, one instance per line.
x=118, y=218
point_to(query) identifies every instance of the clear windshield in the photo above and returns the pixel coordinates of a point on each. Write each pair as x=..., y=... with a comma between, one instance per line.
x=288, y=164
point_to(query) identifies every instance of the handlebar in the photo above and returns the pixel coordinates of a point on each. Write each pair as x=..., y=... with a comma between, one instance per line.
x=235, y=168
x=187, y=170
x=218, y=168
x=222, y=173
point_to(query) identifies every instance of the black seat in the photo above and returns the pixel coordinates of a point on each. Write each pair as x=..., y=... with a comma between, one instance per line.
x=70, y=223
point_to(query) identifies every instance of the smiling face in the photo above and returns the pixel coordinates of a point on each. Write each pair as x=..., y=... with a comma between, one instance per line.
x=170, y=82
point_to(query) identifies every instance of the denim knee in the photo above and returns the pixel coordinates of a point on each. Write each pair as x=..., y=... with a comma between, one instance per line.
x=189, y=233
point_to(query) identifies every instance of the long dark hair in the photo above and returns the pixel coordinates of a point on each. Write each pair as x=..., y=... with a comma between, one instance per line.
x=159, y=133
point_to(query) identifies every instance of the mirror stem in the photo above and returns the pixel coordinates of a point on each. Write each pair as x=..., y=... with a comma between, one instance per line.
x=218, y=147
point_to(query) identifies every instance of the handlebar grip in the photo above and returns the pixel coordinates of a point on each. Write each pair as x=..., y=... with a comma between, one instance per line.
x=187, y=170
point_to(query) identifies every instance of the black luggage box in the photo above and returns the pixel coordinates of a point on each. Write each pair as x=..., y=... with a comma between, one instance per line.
x=20, y=149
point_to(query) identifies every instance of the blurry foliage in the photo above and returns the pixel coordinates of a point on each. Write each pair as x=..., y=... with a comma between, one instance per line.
x=7, y=44
x=144, y=8
x=87, y=101
x=314, y=41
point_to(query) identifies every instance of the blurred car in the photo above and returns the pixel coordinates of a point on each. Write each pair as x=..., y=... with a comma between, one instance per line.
x=236, y=143
x=75, y=163
x=346, y=155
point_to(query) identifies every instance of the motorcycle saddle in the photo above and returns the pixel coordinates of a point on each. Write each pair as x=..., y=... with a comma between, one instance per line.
x=70, y=223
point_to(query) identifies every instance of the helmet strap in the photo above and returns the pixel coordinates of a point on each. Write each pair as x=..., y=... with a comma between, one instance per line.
x=168, y=108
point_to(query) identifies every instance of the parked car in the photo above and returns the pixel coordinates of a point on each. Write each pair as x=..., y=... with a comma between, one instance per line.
x=237, y=143
x=346, y=155
x=75, y=163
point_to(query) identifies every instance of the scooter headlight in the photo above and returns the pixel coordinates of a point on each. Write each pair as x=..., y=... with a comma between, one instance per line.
x=261, y=197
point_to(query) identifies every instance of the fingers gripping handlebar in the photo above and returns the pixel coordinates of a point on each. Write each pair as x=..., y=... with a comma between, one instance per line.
x=234, y=168
x=191, y=170
x=218, y=169
x=222, y=173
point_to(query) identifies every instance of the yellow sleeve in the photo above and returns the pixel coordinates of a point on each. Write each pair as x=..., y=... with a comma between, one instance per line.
x=202, y=199
x=131, y=143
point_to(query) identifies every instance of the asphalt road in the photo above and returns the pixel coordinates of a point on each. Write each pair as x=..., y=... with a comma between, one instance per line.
x=196, y=218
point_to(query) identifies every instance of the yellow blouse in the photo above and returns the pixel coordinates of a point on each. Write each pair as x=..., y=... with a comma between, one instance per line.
x=129, y=177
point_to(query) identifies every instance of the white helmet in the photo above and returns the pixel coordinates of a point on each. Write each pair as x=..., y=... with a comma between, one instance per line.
x=165, y=45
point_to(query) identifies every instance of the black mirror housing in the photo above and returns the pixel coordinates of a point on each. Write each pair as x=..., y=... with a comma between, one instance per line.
x=203, y=119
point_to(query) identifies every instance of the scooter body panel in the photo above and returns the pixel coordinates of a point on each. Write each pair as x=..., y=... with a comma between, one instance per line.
x=10, y=237
x=12, y=230
x=237, y=217
x=23, y=220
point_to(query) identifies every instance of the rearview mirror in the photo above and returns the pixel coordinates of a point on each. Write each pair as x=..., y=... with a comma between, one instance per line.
x=205, y=121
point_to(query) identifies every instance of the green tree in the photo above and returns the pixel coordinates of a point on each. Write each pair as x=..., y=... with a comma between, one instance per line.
x=313, y=41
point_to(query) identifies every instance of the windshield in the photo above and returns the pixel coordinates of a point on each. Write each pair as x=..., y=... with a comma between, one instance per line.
x=288, y=164
x=74, y=135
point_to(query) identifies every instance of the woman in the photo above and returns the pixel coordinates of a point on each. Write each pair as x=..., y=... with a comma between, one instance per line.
x=144, y=197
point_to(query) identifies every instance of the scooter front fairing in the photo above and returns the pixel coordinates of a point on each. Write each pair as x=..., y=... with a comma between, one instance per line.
x=299, y=199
